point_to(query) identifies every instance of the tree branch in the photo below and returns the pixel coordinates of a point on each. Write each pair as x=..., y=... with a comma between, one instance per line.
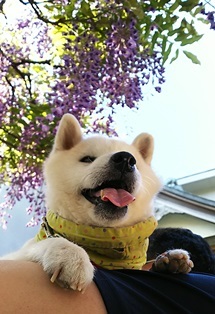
x=12, y=87
x=10, y=145
x=9, y=133
x=40, y=15
x=24, y=61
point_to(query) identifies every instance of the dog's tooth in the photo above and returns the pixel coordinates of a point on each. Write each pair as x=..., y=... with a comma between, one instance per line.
x=103, y=196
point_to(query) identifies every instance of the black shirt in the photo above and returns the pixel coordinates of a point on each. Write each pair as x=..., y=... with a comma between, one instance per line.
x=146, y=292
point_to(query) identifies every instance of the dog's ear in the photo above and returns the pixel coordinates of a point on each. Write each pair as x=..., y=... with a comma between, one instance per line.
x=144, y=143
x=68, y=134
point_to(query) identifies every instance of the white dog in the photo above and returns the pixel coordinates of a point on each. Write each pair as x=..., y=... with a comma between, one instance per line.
x=99, y=198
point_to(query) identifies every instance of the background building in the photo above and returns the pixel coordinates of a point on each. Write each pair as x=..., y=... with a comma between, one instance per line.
x=189, y=202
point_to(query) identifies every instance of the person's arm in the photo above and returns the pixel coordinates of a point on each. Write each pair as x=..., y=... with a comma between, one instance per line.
x=26, y=288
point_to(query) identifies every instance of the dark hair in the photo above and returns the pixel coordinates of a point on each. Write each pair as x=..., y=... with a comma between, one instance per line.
x=164, y=239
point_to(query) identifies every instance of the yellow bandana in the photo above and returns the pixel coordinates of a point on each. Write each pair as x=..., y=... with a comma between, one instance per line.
x=110, y=248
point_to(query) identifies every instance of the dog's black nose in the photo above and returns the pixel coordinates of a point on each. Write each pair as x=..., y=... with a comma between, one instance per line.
x=123, y=161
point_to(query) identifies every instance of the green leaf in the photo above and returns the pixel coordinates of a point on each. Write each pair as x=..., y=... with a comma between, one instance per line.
x=188, y=5
x=86, y=9
x=174, y=6
x=69, y=8
x=181, y=37
x=173, y=32
x=192, y=57
x=175, y=57
x=164, y=45
x=203, y=20
x=167, y=53
x=197, y=10
x=154, y=40
x=191, y=40
x=137, y=8
x=158, y=20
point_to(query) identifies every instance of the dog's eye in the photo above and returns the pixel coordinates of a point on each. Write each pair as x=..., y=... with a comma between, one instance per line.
x=88, y=159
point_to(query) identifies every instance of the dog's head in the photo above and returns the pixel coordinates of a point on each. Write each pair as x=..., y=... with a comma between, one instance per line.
x=100, y=181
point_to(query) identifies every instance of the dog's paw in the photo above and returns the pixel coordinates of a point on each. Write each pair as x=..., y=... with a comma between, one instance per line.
x=68, y=264
x=173, y=261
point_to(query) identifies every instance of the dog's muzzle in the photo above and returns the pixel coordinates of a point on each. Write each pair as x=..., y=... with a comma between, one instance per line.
x=112, y=197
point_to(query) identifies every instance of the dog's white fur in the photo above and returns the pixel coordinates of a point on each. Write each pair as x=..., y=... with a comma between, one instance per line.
x=66, y=176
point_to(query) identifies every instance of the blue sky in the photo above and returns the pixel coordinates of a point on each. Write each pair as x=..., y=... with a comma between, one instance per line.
x=182, y=117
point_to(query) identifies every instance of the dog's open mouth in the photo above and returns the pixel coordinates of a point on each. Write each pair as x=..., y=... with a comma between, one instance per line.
x=111, y=191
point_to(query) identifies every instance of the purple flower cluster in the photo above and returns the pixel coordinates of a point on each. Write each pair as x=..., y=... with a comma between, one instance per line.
x=20, y=138
x=210, y=17
x=209, y=14
x=26, y=182
x=92, y=78
x=76, y=80
x=127, y=69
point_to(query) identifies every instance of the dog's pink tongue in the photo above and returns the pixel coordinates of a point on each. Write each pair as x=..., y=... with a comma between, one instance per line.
x=118, y=197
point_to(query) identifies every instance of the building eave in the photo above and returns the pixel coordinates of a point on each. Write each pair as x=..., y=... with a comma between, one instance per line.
x=171, y=200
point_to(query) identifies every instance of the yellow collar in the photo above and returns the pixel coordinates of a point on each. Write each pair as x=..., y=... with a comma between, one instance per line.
x=111, y=248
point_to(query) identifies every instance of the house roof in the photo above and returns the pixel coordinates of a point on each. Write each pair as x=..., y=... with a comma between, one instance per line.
x=201, y=184
x=172, y=200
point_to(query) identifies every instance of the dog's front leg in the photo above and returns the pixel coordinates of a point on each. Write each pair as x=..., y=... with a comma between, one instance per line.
x=173, y=261
x=64, y=261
